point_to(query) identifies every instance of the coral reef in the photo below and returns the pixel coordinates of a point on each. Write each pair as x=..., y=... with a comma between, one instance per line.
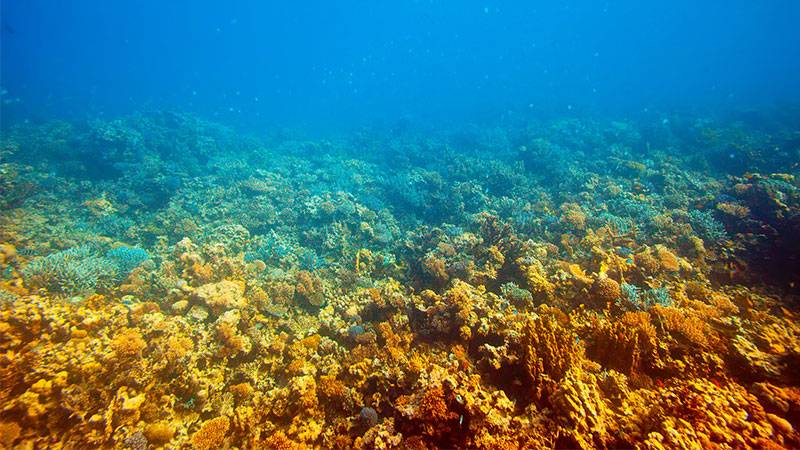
x=166, y=282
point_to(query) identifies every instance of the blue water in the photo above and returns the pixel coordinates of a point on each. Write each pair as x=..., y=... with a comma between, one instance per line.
x=321, y=65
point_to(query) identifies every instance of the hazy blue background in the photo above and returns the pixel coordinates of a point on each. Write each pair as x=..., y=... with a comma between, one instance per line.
x=341, y=63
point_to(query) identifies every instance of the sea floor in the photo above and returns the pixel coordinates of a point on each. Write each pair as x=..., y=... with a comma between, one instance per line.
x=167, y=282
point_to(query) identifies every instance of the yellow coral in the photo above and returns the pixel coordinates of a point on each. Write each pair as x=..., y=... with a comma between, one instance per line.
x=577, y=400
x=537, y=280
x=548, y=352
x=733, y=209
x=222, y=296
x=159, y=433
x=8, y=253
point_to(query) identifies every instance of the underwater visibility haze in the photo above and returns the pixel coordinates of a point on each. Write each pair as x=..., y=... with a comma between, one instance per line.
x=399, y=225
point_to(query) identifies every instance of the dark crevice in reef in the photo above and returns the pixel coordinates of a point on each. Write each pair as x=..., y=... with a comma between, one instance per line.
x=771, y=250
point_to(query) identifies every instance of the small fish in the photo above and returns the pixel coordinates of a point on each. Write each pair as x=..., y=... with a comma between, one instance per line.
x=8, y=29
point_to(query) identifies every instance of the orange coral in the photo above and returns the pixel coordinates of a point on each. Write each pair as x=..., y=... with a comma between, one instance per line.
x=211, y=434
x=427, y=414
x=331, y=389
x=698, y=414
x=279, y=441
x=432, y=406
x=9, y=432
x=128, y=343
x=687, y=325
x=177, y=348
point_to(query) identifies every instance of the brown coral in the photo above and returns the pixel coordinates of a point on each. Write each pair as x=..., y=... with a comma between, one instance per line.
x=309, y=288
x=627, y=345
x=606, y=290
x=647, y=263
x=159, y=433
x=666, y=259
x=573, y=216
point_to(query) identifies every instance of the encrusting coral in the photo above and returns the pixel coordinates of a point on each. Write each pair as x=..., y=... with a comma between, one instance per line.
x=550, y=286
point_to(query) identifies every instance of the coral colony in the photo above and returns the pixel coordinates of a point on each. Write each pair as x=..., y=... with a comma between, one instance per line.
x=574, y=283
